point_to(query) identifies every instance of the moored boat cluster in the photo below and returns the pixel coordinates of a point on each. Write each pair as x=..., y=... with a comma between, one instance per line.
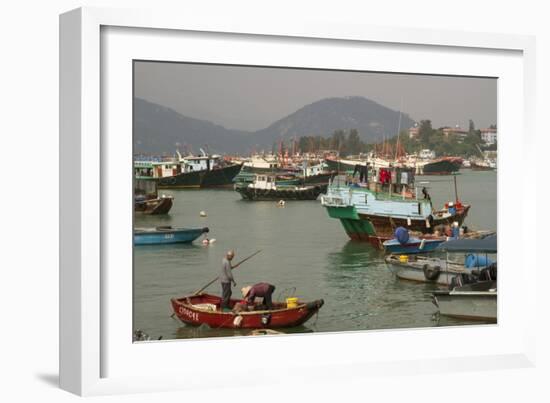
x=378, y=202
x=386, y=208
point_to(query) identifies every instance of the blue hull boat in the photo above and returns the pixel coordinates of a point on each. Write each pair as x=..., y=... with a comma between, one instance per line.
x=166, y=235
x=413, y=245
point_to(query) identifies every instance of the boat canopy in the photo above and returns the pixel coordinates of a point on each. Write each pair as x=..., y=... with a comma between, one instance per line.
x=484, y=245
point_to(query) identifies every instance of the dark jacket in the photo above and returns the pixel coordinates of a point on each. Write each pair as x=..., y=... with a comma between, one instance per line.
x=259, y=290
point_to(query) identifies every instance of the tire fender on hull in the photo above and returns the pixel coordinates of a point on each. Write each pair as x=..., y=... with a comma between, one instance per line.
x=431, y=273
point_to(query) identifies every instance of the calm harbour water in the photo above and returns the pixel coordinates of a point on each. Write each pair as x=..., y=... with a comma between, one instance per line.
x=301, y=247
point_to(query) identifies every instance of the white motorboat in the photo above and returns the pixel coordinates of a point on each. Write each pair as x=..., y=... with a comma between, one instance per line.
x=472, y=301
x=477, y=300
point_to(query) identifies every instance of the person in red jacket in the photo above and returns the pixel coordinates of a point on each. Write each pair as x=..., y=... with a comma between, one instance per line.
x=263, y=290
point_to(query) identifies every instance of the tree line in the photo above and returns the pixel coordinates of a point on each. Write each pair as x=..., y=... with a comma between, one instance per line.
x=349, y=142
x=345, y=142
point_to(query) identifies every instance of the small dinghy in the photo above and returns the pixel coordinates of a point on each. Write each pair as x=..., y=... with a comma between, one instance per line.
x=153, y=205
x=424, y=269
x=166, y=235
x=413, y=245
x=404, y=243
x=476, y=301
x=147, y=199
x=203, y=309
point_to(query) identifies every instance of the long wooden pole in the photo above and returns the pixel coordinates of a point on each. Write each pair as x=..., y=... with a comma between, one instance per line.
x=232, y=268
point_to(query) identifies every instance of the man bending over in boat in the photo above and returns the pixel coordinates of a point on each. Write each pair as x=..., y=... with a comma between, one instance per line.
x=263, y=290
x=226, y=278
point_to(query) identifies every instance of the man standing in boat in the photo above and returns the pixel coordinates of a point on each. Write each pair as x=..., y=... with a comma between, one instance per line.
x=226, y=278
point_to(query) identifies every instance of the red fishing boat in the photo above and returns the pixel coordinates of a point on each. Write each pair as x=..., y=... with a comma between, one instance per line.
x=201, y=309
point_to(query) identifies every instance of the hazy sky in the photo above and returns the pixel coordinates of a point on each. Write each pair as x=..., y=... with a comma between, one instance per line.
x=251, y=98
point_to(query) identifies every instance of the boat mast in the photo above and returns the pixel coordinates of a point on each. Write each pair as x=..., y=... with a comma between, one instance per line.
x=339, y=163
x=398, y=129
x=456, y=191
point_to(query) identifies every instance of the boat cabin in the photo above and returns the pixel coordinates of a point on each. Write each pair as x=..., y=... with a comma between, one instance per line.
x=265, y=182
x=426, y=154
x=155, y=169
x=391, y=180
x=258, y=162
x=164, y=169
x=201, y=163
x=143, y=169
x=315, y=169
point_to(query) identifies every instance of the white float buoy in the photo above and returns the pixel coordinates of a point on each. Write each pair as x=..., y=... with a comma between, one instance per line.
x=281, y=203
x=207, y=241
x=202, y=213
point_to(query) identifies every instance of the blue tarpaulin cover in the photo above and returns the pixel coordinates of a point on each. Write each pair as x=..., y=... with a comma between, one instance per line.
x=485, y=245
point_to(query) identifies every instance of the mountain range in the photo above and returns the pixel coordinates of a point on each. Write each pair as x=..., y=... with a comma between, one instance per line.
x=159, y=129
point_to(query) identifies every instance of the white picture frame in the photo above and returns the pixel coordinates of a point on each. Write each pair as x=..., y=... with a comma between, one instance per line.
x=96, y=352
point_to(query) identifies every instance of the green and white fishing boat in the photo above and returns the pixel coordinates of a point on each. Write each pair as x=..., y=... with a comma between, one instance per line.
x=372, y=208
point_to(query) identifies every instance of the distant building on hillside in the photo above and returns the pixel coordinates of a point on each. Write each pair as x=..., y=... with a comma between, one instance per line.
x=413, y=131
x=454, y=131
x=447, y=131
x=489, y=136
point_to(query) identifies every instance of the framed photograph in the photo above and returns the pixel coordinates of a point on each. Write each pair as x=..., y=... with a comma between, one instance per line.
x=315, y=198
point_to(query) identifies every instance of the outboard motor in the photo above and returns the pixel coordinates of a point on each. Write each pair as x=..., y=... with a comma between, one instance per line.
x=489, y=273
x=462, y=279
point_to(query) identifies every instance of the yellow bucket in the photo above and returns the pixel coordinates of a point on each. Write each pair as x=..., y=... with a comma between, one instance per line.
x=292, y=302
x=403, y=258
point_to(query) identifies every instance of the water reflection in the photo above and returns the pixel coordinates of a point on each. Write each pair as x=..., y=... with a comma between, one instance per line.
x=365, y=294
x=355, y=254
x=349, y=266
x=301, y=248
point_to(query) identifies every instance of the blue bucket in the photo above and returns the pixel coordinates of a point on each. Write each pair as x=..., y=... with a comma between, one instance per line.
x=402, y=235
